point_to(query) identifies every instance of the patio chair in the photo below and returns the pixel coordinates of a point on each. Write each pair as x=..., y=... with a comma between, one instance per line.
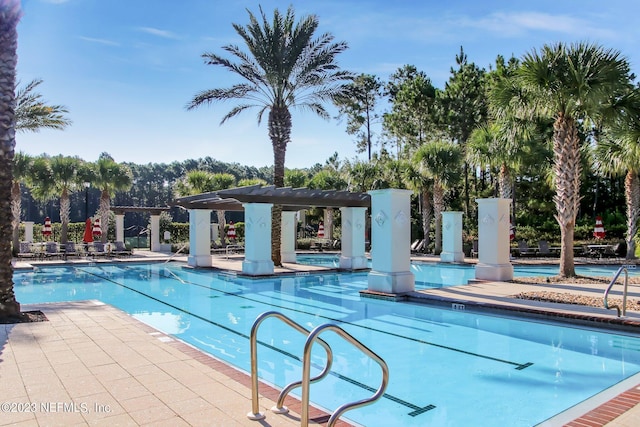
x=621, y=249
x=474, y=249
x=545, y=250
x=97, y=249
x=524, y=249
x=71, y=250
x=120, y=249
x=25, y=250
x=51, y=250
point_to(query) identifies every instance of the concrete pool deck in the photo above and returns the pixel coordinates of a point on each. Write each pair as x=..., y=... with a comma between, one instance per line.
x=92, y=364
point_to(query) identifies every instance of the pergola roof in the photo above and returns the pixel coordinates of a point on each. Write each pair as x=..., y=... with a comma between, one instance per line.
x=289, y=198
x=151, y=210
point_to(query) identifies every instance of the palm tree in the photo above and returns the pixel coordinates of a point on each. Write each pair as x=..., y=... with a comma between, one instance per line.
x=198, y=182
x=441, y=161
x=10, y=14
x=21, y=167
x=33, y=113
x=422, y=184
x=568, y=84
x=110, y=177
x=285, y=67
x=66, y=180
x=619, y=155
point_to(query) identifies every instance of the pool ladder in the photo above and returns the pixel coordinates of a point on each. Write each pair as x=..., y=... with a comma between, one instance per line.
x=305, y=382
x=624, y=268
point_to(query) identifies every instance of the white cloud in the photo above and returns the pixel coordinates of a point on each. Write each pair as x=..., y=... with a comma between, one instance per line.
x=100, y=41
x=159, y=33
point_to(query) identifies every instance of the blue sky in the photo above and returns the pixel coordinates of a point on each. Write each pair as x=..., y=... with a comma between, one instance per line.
x=126, y=68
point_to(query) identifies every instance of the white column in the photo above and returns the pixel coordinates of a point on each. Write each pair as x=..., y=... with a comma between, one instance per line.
x=391, y=241
x=28, y=231
x=452, y=237
x=493, y=240
x=257, y=239
x=119, y=227
x=288, y=236
x=352, y=255
x=199, y=238
x=155, y=233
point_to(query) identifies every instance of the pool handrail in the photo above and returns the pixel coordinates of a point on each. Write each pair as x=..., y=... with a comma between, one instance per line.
x=306, y=369
x=253, y=340
x=624, y=292
x=186, y=245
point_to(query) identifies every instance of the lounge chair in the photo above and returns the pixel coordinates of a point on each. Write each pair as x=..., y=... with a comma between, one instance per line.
x=545, y=250
x=474, y=249
x=120, y=249
x=70, y=250
x=97, y=249
x=524, y=249
x=26, y=251
x=51, y=250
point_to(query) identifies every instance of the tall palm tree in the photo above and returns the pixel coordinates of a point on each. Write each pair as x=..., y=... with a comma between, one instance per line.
x=66, y=180
x=619, y=155
x=10, y=14
x=33, y=113
x=569, y=83
x=442, y=162
x=422, y=184
x=21, y=167
x=286, y=67
x=110, y=177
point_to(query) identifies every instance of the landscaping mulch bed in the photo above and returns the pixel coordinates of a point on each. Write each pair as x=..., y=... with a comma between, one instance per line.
x=25, y=317
x=571, y=298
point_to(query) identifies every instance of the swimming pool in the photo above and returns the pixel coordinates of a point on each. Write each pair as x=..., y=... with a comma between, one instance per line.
x=437, y=275
x=446, y=367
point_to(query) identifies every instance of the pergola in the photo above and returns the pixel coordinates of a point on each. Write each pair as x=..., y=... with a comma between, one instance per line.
x=390, y=211
x=291, y=199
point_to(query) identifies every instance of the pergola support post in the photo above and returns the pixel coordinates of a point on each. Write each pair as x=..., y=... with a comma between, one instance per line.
x=352, y=253
x=452, y=237
x=493, y=240
x=288, y=239
x=257, y=252
x=199, y=238
x=391, y=242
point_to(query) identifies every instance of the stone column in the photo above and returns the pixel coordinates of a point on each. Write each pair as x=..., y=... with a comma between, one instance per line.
x=155, y=233
x=119, y=227
x=493, y=240
x=28, y=231
x=288, y=236
x=391, y=242
x=452, y=237
x=199, y=238
x=257, y=246
x=352, y=255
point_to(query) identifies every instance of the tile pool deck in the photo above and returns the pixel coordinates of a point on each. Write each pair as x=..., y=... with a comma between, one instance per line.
x=92, y=364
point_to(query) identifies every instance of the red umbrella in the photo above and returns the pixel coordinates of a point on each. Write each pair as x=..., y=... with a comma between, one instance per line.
x=598, y=231
x=231, y=231
x=97, y=231
x=321, y=231
x=46, y=229
x=88, y=235
x=512, y=232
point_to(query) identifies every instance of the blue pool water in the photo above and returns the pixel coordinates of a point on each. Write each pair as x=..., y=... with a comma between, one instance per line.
x=438, y=275
x=446, y=367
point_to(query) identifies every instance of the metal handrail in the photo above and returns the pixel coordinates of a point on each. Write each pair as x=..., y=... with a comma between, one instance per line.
x=306, y=368
x=279, y=408
x=176, y=252
x=624, y=292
